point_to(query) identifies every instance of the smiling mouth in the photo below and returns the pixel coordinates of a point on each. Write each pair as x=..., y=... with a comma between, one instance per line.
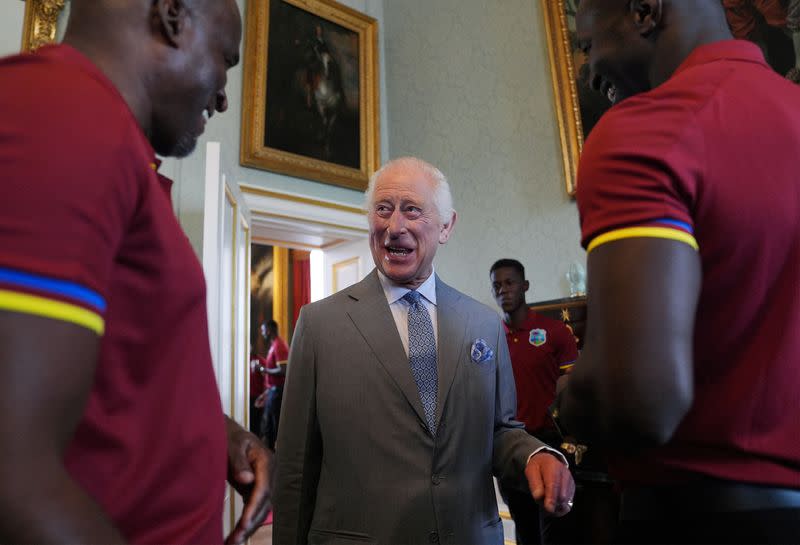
x=396, y=251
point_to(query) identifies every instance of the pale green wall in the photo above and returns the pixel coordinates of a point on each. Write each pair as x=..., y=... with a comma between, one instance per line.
x=11, y=16
x=468, y=88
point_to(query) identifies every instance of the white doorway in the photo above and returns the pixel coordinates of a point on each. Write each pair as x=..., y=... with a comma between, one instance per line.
x=335, y=234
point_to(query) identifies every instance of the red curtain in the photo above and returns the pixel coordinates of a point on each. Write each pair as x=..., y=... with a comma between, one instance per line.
x=301, y=282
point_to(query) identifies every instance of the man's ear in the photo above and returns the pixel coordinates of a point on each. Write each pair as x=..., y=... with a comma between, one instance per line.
x=169, y=19
x=444, y=232
x=646, y=15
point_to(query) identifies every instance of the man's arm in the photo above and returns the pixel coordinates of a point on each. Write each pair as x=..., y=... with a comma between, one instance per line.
x=249, y=469
x=299, y=444
x=46, y=374
x=279, y=370
x=633, y=382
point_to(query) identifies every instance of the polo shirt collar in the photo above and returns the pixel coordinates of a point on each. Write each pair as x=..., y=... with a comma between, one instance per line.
x=394, y=292
x=737, y=50
x=527, y=325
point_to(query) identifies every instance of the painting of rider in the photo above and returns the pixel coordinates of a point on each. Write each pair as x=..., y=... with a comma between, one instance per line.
x=312, y=92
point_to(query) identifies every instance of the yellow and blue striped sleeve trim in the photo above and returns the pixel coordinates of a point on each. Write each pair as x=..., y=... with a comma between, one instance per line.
x=567, y=365
x=52, y=286
x=49, y=308
x=647, y=232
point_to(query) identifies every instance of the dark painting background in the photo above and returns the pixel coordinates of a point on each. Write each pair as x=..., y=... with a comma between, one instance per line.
x=293, y=121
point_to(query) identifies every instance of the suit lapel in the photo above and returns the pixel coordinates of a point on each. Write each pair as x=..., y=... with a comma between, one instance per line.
x=452, y=328
x=373, y=319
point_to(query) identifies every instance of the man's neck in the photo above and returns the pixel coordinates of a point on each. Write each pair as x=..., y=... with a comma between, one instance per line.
x=517, y=317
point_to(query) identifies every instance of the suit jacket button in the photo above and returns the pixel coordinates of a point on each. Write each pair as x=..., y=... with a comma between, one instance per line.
x=433, y=537
x=436, y=479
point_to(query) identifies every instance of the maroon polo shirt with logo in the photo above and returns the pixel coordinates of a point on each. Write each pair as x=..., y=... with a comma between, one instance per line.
x=541, y=351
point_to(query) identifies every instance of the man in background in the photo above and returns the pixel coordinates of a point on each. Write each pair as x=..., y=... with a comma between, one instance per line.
x=274, y=378
x=400, y=400
x=91, y=253
x=542, y=349
x=690, y=213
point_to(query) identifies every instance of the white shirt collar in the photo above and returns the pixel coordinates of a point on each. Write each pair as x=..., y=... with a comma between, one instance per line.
x=394, y=292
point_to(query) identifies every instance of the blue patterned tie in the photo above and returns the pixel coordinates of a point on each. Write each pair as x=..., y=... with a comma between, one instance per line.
x=422, y=355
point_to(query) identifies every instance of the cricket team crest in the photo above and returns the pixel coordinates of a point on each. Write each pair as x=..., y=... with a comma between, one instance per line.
x=537, y=337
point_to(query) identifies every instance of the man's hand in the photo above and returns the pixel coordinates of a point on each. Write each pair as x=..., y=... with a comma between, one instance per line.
x=249, y=470
x=551, y=483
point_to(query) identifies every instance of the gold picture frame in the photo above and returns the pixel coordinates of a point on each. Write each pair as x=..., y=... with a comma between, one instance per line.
x=577, y=107
x=289, y=125
x=39, y=25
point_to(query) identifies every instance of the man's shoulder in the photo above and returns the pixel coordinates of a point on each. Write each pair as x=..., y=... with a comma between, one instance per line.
x=338, y=302
x=59, y=77
x=53, y=96
x=466, y=303
x=538, y=320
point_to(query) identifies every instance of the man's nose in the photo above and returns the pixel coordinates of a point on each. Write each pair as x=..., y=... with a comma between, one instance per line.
x=397, y=224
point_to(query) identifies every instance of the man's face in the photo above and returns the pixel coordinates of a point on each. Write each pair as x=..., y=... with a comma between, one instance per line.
x=404, y=225
x=192, y=88
x=617, y=54
x=508, y=288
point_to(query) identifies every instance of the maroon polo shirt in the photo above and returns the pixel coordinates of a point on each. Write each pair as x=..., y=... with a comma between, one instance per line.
x=278, y=351
x=87, y=226
x=714, y=152
x=541, y=351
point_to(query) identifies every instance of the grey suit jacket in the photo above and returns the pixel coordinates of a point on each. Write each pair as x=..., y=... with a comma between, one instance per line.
x=355, y=460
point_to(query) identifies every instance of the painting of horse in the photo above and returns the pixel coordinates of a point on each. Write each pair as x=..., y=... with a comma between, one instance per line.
x=312, y=98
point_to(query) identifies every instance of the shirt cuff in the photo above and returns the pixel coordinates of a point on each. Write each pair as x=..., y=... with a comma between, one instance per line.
x=552, y=451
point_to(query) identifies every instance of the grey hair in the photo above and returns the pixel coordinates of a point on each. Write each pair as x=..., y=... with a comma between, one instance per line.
x=442, y=198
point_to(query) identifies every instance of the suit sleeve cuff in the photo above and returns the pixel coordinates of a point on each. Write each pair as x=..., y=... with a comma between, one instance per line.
x=549, y=450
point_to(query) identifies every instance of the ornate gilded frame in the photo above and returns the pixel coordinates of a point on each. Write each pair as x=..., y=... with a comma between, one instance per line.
x=566, y=94
x=39, y=26
x=254, y=153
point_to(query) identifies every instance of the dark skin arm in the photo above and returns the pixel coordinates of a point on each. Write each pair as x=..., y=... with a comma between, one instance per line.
x=250, y=466
x=46, y=368
x=633, y=382
x=279, y=370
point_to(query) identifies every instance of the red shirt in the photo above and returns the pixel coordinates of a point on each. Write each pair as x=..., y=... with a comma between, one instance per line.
x=256, y=376
x=86, y=225
x=715, y=149
x=541, y=350
x=278, y=351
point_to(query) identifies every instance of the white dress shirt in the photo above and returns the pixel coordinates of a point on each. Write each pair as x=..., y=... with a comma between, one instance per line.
x=399, y=307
